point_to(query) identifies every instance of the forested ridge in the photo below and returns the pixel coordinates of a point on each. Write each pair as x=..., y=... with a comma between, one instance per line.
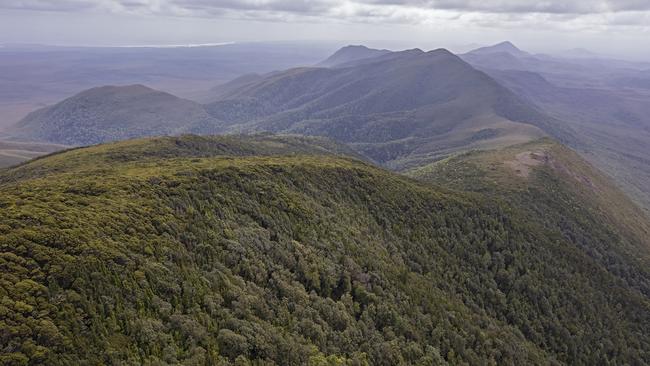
x=282, y=250
x=560, y=191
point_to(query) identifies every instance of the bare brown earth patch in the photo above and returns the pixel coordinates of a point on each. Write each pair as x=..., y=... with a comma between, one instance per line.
x=524, y=161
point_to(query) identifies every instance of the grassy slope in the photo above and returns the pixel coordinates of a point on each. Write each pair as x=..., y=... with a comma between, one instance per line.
x=217, y=250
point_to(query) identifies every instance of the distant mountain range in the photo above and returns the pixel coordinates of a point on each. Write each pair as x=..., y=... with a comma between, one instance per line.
x=500, y=48
x=398, y=108
x=401, y=109
x=33, y=76
x=487, y=241
x=606, y=103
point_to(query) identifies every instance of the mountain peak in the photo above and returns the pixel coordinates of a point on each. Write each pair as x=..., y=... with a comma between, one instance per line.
x=506, y=45
x=355, y=47
x=441, y=51
x=412, y=51
x=123, y=90
x=352, y=53
x=503, y=47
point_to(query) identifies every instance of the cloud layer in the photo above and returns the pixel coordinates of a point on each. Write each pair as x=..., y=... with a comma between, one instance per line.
x=334, y=7
x=591, y=15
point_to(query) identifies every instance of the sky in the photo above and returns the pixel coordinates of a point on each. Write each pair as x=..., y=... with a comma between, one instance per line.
x=611, y=27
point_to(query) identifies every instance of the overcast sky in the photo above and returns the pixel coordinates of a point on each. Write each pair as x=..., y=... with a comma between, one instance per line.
x=618, y=27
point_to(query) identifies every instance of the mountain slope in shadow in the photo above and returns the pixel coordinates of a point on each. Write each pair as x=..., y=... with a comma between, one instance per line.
x=113, y=113
x=606, y=102
x=399, y=108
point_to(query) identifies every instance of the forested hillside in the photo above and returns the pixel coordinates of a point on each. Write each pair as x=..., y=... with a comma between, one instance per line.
x=281, y=250
x=552, y=187
x=402, y=109
x=111, y=113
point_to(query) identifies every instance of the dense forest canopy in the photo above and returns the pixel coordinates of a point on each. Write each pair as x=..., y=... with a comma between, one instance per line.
x=287, y=251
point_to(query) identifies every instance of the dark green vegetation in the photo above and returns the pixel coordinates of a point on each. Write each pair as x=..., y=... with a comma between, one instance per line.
x=554, y=188
x=280, y=250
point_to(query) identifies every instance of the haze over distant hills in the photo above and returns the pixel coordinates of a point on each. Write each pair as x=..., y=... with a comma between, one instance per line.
x=398, y=108
x=500, y=48
x=405, y=109
x=32, y=76
x=13, y=152
x=606, y=102
x=490, y=242
x=352, y=53
x=113, y=113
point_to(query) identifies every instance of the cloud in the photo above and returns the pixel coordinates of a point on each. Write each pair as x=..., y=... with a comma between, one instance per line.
x=293, y=6
x=523, y=6
x=488, y=13
x=47, y=5
x=325, y=7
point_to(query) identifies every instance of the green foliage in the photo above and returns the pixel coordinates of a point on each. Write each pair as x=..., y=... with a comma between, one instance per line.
x=149, y=252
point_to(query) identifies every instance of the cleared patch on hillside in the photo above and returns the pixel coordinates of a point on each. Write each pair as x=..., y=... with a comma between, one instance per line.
x=524, y=161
